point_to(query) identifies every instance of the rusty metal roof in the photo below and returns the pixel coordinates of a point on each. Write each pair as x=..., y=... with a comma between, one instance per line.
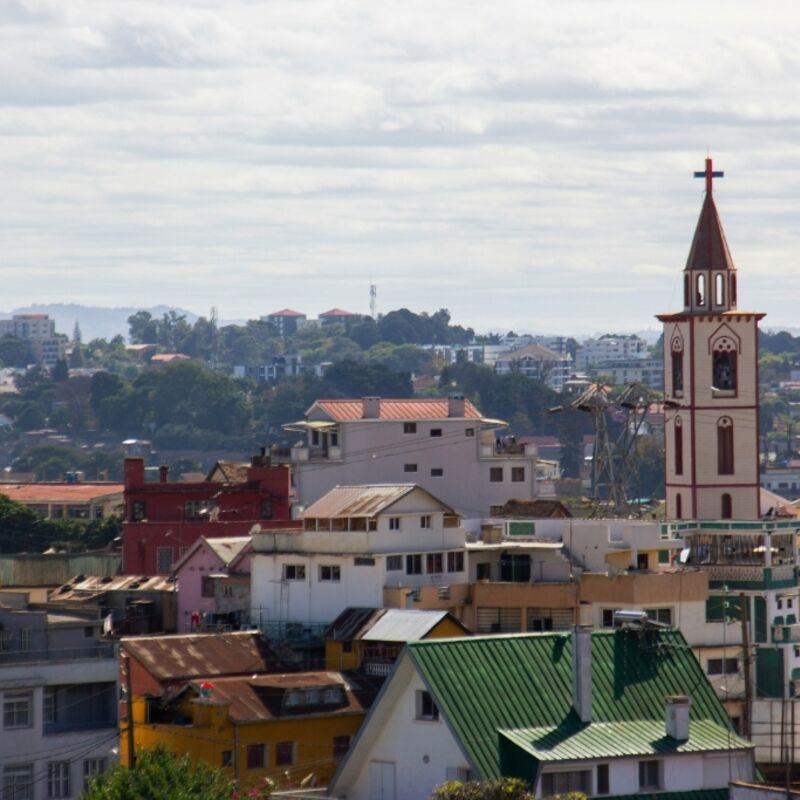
x=189, y=656
x=229, y=472
x=413, y=409
x=709, y=249
x=88, y=588
x=60, y=492
x=259, y=698
x=363, y=501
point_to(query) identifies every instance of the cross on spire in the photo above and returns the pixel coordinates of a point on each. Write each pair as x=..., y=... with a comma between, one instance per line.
x=709, y=175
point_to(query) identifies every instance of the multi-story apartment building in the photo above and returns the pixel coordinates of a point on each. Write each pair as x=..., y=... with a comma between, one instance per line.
x=281, y=367
x=594, y=353
x=538, y=362
x=59, y=694
x=444, y=445
x=39, y=331
x=649, y=372
x=286, y=320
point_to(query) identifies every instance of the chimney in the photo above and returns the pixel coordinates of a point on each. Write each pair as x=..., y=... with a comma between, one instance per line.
x=163, y=473
x=371, y=408
x=262, y=459
x=455, y=405
x=134, y=473
x=677, y=716
x=582, y=671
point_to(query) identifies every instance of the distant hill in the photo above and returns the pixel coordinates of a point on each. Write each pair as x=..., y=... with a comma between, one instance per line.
x=97, y=322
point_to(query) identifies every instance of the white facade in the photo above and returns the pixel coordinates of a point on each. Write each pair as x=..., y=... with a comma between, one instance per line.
x=459, y=459
x=537, y=362
x=597, y=352
x=40, y=333
x=313, y=575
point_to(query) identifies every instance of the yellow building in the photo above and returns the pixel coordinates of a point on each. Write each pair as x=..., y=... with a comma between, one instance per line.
x=291, y=728
x=370, y=639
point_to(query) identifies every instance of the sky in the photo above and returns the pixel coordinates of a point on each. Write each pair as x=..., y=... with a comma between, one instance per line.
x=526, y=165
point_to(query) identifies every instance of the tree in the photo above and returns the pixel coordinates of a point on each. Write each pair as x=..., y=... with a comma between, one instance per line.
x=77, y=337
x=15, y=352
x=143, y=329
x=160, y=775
x=76, y=357
x=60, y=371
x=500, y=789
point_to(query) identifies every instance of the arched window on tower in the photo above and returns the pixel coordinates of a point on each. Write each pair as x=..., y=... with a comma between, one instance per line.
x=678, y=506
x=677, y=368
x=678, y=446
x=733, y=288
x=687, y=290
x=724, y=378
x=725, y=446
x=701, y=290
x=727, y=507
x=719, y=289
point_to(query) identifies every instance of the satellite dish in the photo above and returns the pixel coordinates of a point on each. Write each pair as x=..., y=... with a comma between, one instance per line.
x=684, y=556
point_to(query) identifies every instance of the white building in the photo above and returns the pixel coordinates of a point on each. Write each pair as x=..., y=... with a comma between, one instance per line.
x=356, y=541
x=39, y=331
x=444, y=445
x=595, y=353
x=603, y=713
x=59, y=695
x=538, y=362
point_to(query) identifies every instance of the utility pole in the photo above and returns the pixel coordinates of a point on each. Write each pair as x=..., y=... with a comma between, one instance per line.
x=744, y=616
x=129, y=693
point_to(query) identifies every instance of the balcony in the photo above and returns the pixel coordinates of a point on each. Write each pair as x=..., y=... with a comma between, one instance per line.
x=507, y=447
x=78, y=726
x=95, y=652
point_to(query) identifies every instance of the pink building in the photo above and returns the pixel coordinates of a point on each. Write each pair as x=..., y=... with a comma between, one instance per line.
x=213, y=578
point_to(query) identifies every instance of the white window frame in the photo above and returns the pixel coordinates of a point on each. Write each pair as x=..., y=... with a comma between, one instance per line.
x=294, y=572
x=92, y=767
x=394, y=524
x=426, y=521
x=646, y=765
x=18, y=782
x=58, y=780
x=17, y=709
x=421, y=714
x=334, y=573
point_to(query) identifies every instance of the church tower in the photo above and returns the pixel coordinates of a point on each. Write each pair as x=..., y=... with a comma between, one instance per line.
x=711, y=384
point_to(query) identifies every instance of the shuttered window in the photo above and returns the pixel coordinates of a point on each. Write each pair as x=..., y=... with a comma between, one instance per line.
x=499, y=620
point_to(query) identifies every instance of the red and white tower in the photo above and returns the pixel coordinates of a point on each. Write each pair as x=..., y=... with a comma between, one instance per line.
x=711, y=384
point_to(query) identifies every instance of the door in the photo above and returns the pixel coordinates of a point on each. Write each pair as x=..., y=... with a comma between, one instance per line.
x=381, y=780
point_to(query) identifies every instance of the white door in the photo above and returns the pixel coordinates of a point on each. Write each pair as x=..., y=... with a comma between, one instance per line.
x=381, y=780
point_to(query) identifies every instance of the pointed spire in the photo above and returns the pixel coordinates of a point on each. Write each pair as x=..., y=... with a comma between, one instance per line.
x=709, y=249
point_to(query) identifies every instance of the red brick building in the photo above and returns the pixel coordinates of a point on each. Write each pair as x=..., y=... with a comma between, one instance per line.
x=163, y=518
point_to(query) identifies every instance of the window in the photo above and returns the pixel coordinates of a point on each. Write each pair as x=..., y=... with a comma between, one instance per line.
x=226, y=759
x=92, y=767
x=460, y=774
x=266, y=509
x=394, y=523
x=727, y=507
x=608, y=617
x=662, y=615
x=436, y=432
x=200, y=509
x=437, y=472
x=138, y=511
x=433, y=563
x=469, y=432
x=333, y=696
x=455, y=561
x=58, y=779
x=414, y=564
x=496, y=474
x=315, y=438
x=483, y=571
x=330, y=573
x=724, y=376
x=394, y=563
x=678, y=446
x=677, y=372
x=687, y=289
x=294, y=572
x=425, y=521
x=678, y=506
x=164, y=560
x=725, y=446
x=206, y=586
x=18, y=782
x=284, y=754
x=256, y=756
x=719, y=289
x=341, y=744
x=17, y=710
x=49, y=705
x=563, y=783
x=409, y=467
x=409, y=427
x=649, y=775
x=722, y=666
x=701, y=290
x=603, y=784
x=517, y=474
x=363, y=561
x=426, y=708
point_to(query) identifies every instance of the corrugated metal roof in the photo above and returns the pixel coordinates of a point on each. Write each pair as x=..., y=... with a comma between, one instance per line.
x=349, y=624
x=574, y=740
x=60, y=492
x=411, y=409
x=94, y=585
x=357, y=501
x=484, y=684
x=401, y=625
x=200, y=655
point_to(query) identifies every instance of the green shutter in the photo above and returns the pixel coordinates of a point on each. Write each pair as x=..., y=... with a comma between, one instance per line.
x=769, y=672
x=760, y=619
x=719, y=607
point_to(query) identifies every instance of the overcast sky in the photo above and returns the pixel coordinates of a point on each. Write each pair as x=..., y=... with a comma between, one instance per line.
x=524, y=164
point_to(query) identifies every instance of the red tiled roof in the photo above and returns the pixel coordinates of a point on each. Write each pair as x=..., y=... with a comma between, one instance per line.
x=286, y=312
x=59, y=492
x=410, y=409
x=337, y=312
x=709, y=249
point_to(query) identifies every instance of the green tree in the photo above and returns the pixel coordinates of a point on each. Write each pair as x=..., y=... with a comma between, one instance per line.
x=76, y=356
x=160, y=775
x=142, y=328
x=500, y=789
x=15, y=352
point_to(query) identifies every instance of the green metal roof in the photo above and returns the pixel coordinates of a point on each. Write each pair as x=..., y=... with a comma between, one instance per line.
x=487, y=684
x=574, y=740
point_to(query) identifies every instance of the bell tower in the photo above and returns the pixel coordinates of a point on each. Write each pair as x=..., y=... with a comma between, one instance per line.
x=711, y=383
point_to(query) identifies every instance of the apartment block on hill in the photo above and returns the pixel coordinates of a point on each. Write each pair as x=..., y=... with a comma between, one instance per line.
x=537, y=362
x=39, y=331
x=444, y=445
